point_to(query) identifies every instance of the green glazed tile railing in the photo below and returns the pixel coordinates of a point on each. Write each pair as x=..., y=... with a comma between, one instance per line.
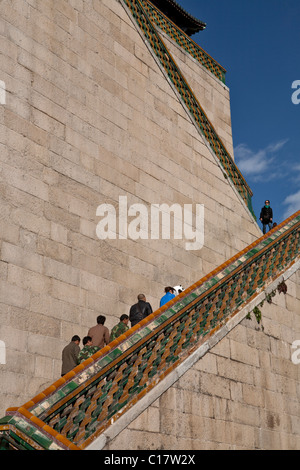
x=183, y=40
x=77, y=408
x=153, y=39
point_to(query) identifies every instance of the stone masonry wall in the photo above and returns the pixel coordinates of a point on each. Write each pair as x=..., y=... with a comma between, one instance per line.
x=87, y=117
x=244, y=394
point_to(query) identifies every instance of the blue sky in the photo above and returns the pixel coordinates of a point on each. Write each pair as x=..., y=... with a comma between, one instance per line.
x=258, y=43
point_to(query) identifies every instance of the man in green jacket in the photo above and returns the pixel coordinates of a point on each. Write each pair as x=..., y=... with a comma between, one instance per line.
x=120, y=328
x=88, y=349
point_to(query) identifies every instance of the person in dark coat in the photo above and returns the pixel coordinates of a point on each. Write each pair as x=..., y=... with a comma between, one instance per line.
x=266, y=216
x=140, y=310
x=70, y=355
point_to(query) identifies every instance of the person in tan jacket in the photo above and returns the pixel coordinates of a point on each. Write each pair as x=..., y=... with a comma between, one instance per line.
x=99, y=333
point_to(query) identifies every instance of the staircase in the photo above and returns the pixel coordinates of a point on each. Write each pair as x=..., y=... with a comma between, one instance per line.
x=76, y=411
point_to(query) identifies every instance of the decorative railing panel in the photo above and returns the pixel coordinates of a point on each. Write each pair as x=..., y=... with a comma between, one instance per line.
x=183, y=40
x=81, y=405
x=198, y=115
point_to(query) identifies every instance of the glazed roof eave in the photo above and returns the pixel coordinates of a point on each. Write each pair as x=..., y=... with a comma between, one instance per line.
x=189, y=24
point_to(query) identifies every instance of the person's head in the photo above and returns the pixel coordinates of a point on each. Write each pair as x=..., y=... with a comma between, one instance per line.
x=76, y=339
x=124, y=318
x=101, y=319
x=87, y=341
x=267, y=203
x=141, y=297
x=169, y=289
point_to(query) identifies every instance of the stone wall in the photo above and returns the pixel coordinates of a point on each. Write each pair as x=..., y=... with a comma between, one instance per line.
x=244, y=394
x=88, y=117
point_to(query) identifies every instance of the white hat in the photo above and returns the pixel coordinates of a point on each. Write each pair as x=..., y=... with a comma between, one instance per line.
x=178, y=289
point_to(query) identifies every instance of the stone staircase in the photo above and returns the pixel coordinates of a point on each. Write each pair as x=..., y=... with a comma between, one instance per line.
x=100, y=397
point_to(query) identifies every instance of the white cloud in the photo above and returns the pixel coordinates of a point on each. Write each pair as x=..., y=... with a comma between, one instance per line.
x=260, y=164
x=296, y=173
x=293, y=204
